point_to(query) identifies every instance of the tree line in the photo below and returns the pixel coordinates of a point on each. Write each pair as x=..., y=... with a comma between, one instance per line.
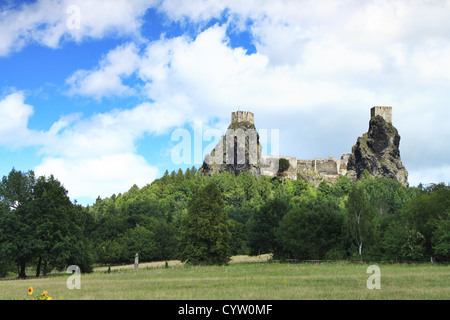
x=204, y=220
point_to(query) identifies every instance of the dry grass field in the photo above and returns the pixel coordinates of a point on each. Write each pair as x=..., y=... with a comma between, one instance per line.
x=174, y=263
x=245, y=278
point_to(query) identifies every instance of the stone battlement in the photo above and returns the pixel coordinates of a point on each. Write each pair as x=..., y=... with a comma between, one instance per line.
x=243, y=116
x=385, y=112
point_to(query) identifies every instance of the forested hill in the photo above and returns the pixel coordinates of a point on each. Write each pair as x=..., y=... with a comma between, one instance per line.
x=289, y=218
x=375, y=219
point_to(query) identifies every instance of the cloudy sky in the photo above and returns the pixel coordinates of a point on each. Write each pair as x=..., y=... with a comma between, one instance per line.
x=95, y=91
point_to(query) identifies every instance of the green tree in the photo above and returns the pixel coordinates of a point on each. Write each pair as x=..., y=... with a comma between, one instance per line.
x=342, y=186
x=205, y=231
x=283, y=165
x=6, y=246
x=17, y=188
x=16, y=191
x=165, y=240
x=111, y=251
x=40, y=224
x=360, y=215
x=58, y=235
x=139, y=240
x=421, y=230
x=393, y=241
x=313, y=230
x=427, y=210
x=238, y=238
x=263, y=224
x=403, y=242
x=441, y=239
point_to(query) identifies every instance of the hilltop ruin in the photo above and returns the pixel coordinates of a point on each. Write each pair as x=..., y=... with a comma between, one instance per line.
x=376, y=151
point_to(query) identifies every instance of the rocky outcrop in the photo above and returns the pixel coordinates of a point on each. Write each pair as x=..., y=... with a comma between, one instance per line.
x=237, y=151
x=377, y=151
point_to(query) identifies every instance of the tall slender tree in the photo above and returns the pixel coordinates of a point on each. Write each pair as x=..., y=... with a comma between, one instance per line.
x=205, y=231
x=360, y=217
x=16, y=192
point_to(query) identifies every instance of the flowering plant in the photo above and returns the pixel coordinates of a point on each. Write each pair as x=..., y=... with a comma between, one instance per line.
x=43, y=296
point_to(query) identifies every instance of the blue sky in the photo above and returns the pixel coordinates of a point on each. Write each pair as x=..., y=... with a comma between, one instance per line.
x=92, y=91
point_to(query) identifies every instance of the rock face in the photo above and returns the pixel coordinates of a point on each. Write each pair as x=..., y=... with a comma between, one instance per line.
x=377, y=151
x=237, y=151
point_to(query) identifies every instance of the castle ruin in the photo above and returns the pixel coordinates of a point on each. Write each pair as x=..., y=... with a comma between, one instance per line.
x=377, y=151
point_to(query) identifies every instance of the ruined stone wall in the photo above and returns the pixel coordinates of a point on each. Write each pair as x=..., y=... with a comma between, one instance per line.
x=305, y=166
x=269, y=166
x=329, y=169
x=326, y=166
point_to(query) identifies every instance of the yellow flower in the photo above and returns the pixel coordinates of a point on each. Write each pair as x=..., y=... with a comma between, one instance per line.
x=49, y=298
x=44, y=293
x=30, y=290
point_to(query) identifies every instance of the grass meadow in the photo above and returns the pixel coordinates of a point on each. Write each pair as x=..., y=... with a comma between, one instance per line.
x=243, y=280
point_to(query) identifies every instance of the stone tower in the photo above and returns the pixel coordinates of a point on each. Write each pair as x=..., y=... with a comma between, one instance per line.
x=384, y=112
x=377, y=151
x=238, y=150
x=243, y=116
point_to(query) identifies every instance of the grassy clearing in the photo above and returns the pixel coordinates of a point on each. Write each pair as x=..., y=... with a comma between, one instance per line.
x=247, y=280
x=174, y=263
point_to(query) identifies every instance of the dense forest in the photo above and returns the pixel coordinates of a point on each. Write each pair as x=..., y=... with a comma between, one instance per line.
x=201, y=219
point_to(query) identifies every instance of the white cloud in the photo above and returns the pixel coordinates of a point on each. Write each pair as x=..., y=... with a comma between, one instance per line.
x=319, y=67
x=102, y=175
x=48, y=22
x=112, y=132
x=212, y=77
x=14, y=116
x=197, y=11
x=97, y=155
x=107, y=79
x=315, y=60
x=308, y=53
x=90, y=156
x=429, y=175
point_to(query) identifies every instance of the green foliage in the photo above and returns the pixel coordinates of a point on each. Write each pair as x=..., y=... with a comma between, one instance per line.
x=342, y=186
x=205, y=231
x=291, y=219
x=441, y=239
x=365, y=175
x=263, y=224
x=283, y=165
x=428, y=213
x=360, y=218
x=182, y=216
x=17, y=188
x=39, y=225
x=238, y=243
x=313, y=230
x=139, y=240
x=110, y=251
x=394, y=239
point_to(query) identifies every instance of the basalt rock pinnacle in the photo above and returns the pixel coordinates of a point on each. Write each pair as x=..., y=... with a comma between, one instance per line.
x=377, y=151
x=237, y=151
